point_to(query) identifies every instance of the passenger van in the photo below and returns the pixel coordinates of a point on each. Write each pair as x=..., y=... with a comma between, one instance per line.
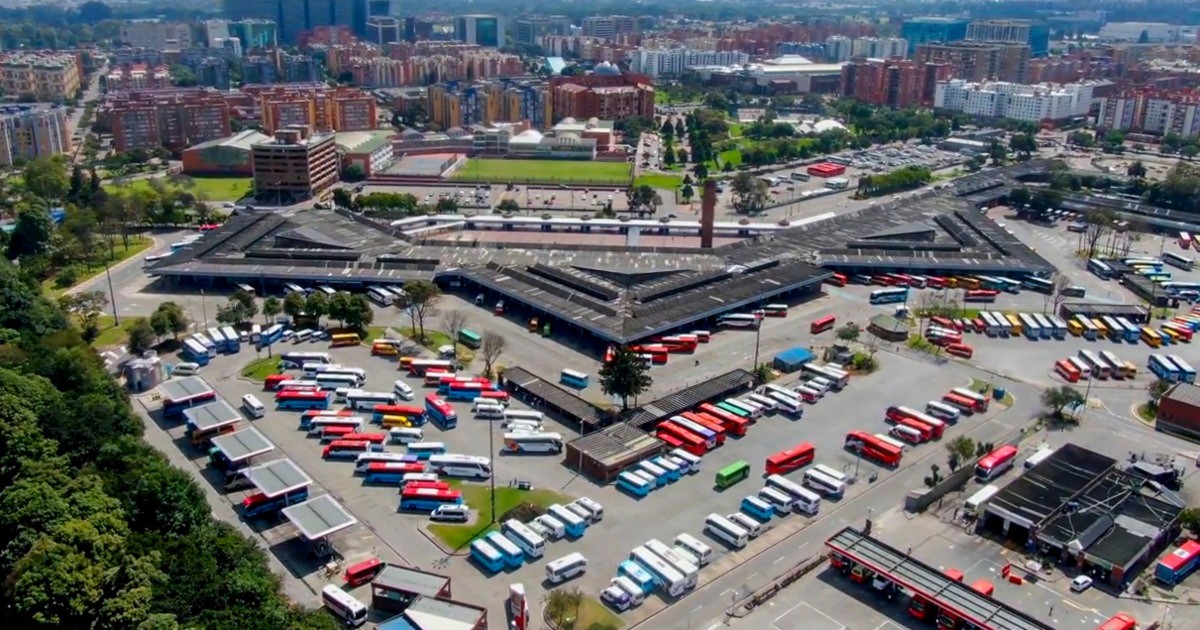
x=185, y=369
x=302, y=335
x=691, y=546
x=554, y=526
x=566, y=567
x=594, y=510
x=401, y=389
x=752, y=527
x=253, y=407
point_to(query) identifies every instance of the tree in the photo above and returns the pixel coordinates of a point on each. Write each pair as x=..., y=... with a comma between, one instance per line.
x=1045, y=200
x=687, y=192
x=453, y=322
x=293, y=305
x=643, y=199
x=340, y=306
x=1019, y=198
x=1099, y=222
x=446, y=206
x=681, y=155
x=959, y=450
x=316, y=305
x=668, y=156
x=998, y=153
x=679, y=128
x=508, y=205
x=1081, y=139
x=169, y=318
x=141, y=336
x=247, y=302
x=343, y=199
x=47, y=178
x=667, y=130
x=1136, y=169
x=750, y=194
x=32, y=233
x=1156, y=390
x=271, y=309
x=359, y=314
x=850, y=332
x=1056, y=399
x=562, y=606
x=1023, y=144
x=87, y=308
x=493, y=346
x=625, y=376
x=420, y=300
x=230, y=313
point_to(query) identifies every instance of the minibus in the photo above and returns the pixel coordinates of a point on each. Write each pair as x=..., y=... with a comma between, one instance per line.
x=254, y=408
x=700, y=552
x=753, y=528
x=552, y=525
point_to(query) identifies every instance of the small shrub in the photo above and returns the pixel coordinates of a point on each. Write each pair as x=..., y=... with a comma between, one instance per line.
x=524, y=512
x=67, y=277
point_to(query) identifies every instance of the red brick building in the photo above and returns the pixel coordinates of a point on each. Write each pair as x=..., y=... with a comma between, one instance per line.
x=607, y=97
x=172, y=118
x=892, y=82
x=317, y=106
x=1179, y=411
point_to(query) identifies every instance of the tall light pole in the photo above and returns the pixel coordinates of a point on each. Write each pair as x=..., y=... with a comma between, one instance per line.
x=112, y=296
x=492, y=453
x=757, y=336
x=203, y=308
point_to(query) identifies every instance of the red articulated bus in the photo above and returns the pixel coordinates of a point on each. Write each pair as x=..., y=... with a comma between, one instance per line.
x=873, y=448
x=792, y=459
x=736, y=425
x=822, y=324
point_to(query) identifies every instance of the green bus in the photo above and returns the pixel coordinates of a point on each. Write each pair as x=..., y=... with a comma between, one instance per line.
x=470, y=339
x=732, y=474
x=737, y=411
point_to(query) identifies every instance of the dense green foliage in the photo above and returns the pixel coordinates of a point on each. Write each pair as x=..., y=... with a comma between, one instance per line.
x=906, y=178
x=96, y=528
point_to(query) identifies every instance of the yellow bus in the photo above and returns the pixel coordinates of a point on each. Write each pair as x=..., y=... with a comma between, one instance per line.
x=1175, y=336
x=1075, y=328
x=1015, y=322
x=951, y=282
x=1129, y=369
x=392, y=422
x=1101, y=330
x=968, y=283
x=344, y=339
x=406, y=363
x=384, y=350
x=1151, y=337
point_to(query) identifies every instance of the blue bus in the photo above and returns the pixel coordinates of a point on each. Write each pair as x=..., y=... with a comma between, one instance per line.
x=195, y=352
x=674, y=472
x=385, y=477
x=633, y=484
x=1008, y=285
x=759, y=509
x=639, y=576
x=889, y=296
x=462, y=394
x=232, y=342
x=304, y=403
x=440, y=412
x=271, y=335
x=512, y=554
x=1041, y=285
x=487, y=556
x=1100, y=268
x=427, y=499
x=259, y=504
x=574, y=379
x=1187, y=373
x=1163, y=368
x=425, y=450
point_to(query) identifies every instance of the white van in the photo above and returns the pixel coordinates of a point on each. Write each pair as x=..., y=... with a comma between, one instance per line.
x=566, y=567
x=303, y=335
x=821, y=384
x=752, y=527
x=595, y=510
x=489, y=412
x=405, y=435
x=401, y=389
x=253, y=407
x=185, y=369
x=554, y=526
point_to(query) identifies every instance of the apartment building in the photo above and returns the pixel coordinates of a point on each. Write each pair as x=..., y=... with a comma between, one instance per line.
x=138, y=76
x=841, y=48
x=1035, y=34
x=172, y=118
x=426, y=70
x=313, y=105
x=1153, y=111
x=672, y=61
x=49, y=76
x=156, y=35
x=33, y=130
x=608, y=27
x=1030, y=103
x=892, y=82
x=295, y=164
x=607, y=97
x=528, y=29
x=979, y=62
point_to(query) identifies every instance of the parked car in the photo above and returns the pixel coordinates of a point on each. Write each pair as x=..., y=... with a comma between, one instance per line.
x=1081, y=584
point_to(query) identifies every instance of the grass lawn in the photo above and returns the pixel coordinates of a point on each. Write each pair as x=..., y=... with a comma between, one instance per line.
x=977, y=385
x=732, y=157
x=567, y=172
x=735, y=130
x=373, y=333
x=137, y=245
x=1146, y=414
x=435, y=339
x=592, y=612
x=260, y=369
x=478, y=496
x=111, y=334
x=657, y=180
x=213, y=188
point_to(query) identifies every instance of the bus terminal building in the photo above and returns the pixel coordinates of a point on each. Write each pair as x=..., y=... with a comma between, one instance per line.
x=603, y=294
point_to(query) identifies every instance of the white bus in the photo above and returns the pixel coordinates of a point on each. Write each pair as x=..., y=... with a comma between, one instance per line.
x=827, y=486
x=1040, y=456
x=359, y=374
x=753, y=527
x=789, y=405
x=1085, y=369
x=975, y=501
x=337, y=381
x=666, y=577
x=725, y=531
x=806, y=500
x=738, y=320
x=523, y=426
x=516, y=414
x=888, y=439
x=532, y=443
x=701, y=553
x=380, y=296
x=942, y=411
x=680, y=563
x=764, y=400
x=342, y=604
x=832, y=473
x=492, y=412
x=294, y=360
x=693, y=462
x=318, y=425
x=311, y=370
x=455, y=465
x=369, y=400
x=529, y=542
x=1100, y=368
x=783, y=502
x=575, y=526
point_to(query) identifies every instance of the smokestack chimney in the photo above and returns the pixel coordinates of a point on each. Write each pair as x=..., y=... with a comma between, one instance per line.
x=708, y=212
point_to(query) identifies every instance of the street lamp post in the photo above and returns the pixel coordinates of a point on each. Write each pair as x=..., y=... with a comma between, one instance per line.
x=757, y=336
x=491, y=453
x=204, y=308
x=112, y=296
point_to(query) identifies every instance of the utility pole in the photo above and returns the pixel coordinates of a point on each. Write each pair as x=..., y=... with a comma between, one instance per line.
x=491, y=453
x=112, y=296
x=204, y=310
x=757, y=335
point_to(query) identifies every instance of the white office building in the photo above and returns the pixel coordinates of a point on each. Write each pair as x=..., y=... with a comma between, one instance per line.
x=671, y=61
x=1143, y=32
x=1015, y=101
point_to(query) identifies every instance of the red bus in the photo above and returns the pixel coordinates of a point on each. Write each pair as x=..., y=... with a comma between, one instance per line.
x=408, y=411
x=679, y=343
x=450, y=379
x=1119, y=621
x=960, y=350
x=873, y=448
x=837, y=280
x=961, y=402
x=899, y=280
x=675, y=436
x=371, y=438
x=296, y=388
x=301, y=394
x=943, y=322
x=345, y=447
x=980, y=295
x=402, y=468
x=995, y=463
x=708, y=422
x=1067, y=370
x=923, y=429
x=657, y=353
x=363, y=572
x=936, y=282
x=936, y=427
x=335, y=432
x=496, y=395
x=273, y=381
x=736, y=425
x=436, y=485
x=791, y=459
x=822, y=324
x=418, y=367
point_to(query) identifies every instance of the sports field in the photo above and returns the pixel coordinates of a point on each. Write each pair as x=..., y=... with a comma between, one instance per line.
x=565, y=172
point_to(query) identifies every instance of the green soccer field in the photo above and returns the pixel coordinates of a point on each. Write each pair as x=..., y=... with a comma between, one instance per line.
x=517, y=171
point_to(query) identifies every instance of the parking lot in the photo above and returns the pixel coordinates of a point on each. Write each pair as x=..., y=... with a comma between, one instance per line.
x=531, y=198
